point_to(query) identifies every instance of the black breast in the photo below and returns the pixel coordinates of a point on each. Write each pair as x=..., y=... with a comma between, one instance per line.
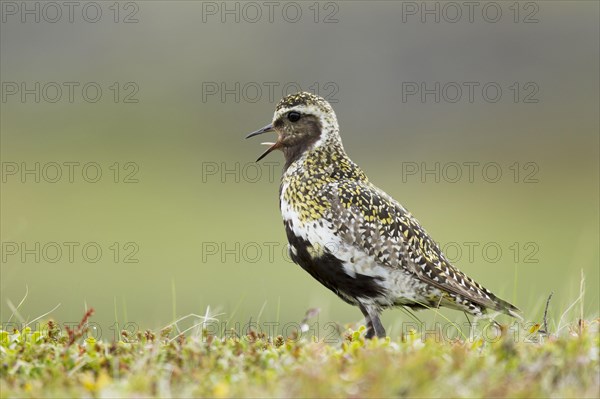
x=329, y=271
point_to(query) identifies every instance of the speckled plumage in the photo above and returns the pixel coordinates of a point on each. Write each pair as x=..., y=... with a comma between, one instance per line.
x=353, y=237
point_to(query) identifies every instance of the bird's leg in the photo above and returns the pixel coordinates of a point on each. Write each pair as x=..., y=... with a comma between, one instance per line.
x=370, y=329
x=378, y=327
x=374, y=326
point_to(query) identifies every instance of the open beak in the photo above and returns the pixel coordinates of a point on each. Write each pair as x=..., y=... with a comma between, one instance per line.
x=272, y=146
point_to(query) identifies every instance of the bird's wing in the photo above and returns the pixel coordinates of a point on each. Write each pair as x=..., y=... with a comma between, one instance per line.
x=382, y=228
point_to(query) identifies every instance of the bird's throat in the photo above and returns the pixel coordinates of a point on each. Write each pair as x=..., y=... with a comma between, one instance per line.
x=295, y=152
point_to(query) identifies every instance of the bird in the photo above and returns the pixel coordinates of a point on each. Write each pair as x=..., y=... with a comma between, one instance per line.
x=350, y=235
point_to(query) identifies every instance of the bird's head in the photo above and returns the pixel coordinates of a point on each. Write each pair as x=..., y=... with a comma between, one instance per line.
x=302, y=121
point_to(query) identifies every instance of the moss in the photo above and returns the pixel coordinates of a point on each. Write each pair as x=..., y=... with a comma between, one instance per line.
x=45, y=364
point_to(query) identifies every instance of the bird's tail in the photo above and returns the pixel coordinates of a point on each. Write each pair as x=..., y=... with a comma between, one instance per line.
x=507, y=308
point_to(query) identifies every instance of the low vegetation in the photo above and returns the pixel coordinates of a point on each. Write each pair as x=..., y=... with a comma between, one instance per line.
x=66, y=362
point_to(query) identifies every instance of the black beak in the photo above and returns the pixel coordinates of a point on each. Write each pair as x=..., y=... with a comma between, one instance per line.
x=273, y=146
x=268, y=128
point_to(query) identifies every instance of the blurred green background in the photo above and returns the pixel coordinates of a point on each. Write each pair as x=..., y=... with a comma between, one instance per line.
x=202, y=220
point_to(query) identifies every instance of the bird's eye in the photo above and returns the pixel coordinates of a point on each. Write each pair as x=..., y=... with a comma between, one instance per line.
x=293, y=116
